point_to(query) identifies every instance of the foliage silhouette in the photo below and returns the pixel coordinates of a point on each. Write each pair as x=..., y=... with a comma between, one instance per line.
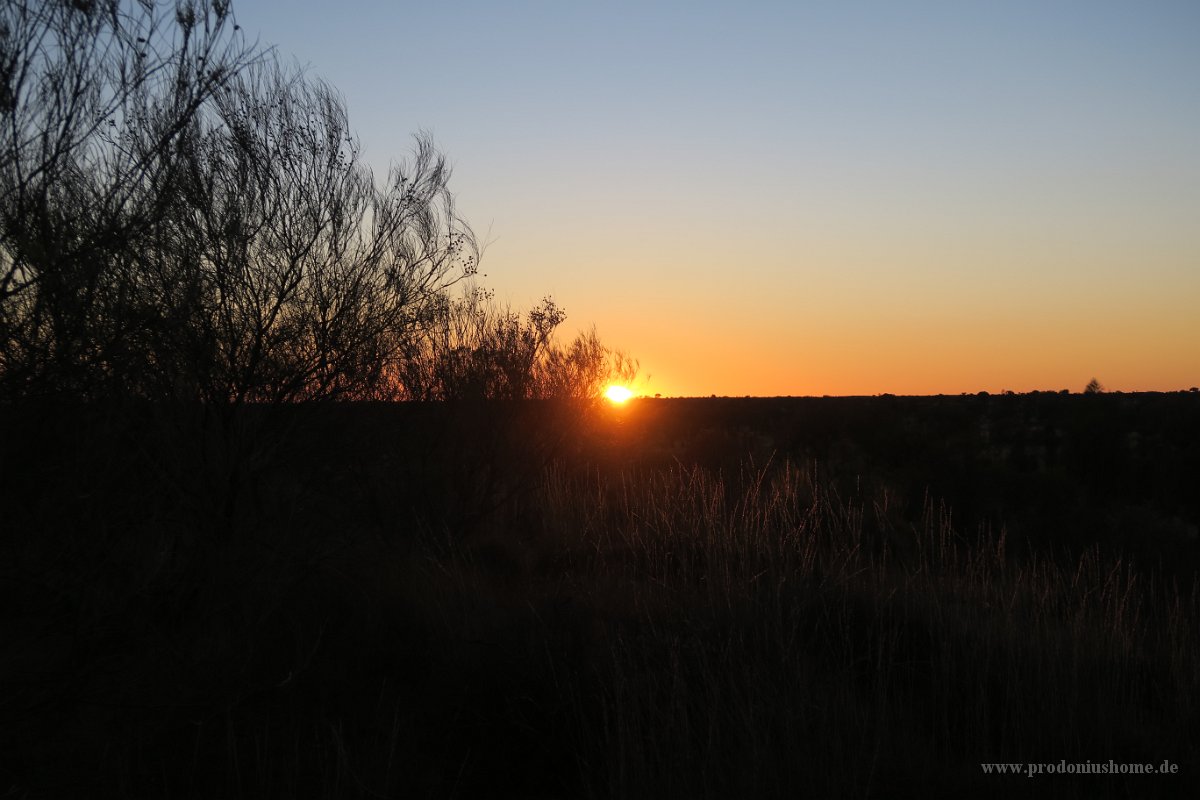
x=96, y=100
x=183, y=218
x=475, y=349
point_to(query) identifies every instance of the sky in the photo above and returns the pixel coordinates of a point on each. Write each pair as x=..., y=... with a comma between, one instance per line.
x=794, y=198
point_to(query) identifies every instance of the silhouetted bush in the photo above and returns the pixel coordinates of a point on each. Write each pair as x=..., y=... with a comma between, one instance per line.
x=184, y=219
x=98, y=98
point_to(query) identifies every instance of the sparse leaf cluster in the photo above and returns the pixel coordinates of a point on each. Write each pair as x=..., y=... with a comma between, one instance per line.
x=476, y=349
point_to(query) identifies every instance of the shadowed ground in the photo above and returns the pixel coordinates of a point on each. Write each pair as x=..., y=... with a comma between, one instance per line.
x=842, y=597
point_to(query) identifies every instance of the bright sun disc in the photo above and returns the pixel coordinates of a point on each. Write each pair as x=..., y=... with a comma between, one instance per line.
x=617, y=394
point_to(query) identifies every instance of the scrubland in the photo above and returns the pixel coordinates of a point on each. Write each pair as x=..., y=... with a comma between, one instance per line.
x=542, y=600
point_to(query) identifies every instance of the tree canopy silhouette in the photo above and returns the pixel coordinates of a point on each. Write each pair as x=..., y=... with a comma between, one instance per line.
x=181, y=217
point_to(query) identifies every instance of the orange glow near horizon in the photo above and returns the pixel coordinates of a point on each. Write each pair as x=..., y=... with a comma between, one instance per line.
x=908, y=224
x=617, y=394
x=1146, y=346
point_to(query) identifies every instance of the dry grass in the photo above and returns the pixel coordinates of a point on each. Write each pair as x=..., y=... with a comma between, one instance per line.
x=604, y=632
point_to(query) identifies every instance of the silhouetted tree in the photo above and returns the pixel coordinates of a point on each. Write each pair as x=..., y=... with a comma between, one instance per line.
x=289, y=272
x=475, y=349
x=1094, y=387
x=583, y=368
x=94, y=100
x=184, y=219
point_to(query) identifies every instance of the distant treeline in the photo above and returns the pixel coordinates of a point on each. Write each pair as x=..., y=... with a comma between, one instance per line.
x=1114, y=468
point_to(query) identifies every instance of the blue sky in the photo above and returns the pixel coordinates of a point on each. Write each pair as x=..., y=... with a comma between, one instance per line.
x=766, y=198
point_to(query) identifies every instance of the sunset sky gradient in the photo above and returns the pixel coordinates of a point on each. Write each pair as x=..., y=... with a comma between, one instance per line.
x=809, y=198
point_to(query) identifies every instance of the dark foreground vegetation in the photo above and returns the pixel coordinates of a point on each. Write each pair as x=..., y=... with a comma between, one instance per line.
x=290, y=508
x=693, y=598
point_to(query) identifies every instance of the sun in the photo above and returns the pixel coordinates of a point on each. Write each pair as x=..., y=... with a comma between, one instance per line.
x=617, y=394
